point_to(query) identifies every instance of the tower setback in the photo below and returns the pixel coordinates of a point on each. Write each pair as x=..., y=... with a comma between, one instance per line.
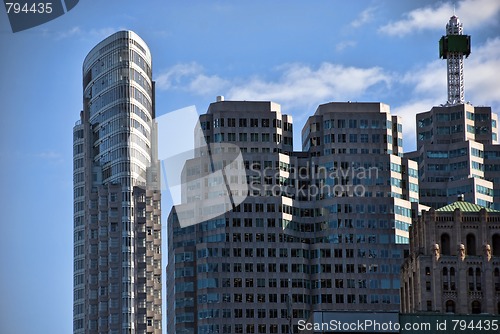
x=322, y=229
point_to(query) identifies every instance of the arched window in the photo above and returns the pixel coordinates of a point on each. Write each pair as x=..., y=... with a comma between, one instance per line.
x=450, y=306
x=497, y=279
x=471, y=244
x=476, y=307
x=445, y=244
x=452, y=279
x=478, y=279
x=446, y=284
x=495, y=244
x=470, y=279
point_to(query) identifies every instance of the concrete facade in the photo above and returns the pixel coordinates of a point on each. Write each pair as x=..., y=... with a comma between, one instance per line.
x=454, y=262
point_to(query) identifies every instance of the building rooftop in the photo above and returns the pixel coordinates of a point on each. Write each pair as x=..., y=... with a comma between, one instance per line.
x=464, y=206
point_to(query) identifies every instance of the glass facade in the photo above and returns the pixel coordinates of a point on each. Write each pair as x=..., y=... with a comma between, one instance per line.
x=317, y=231
x=453, y=150
x=116, y=193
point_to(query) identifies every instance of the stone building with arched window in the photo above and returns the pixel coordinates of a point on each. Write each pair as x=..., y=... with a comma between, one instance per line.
x=454, y=261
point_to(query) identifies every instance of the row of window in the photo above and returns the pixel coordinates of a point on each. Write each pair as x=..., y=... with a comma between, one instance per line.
x=285, y=252
x=303, y=268
x=460, y=152
x=479, y=130
x=349, y=268
x=440, y=117
x=118, y=74
x=354, y=123
x=331, y=239
x=245, y=122
x=330, y=298
x=120, y=109
x=470, y=244
x=353, y=138
x=243, y=137
x=240, y=328
x=378, y=151
x=329, y=170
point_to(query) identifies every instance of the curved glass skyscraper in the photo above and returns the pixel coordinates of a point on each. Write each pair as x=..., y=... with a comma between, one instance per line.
x=117, y=250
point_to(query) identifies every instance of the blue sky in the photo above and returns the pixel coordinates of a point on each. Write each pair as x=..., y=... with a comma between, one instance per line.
x=296, y=53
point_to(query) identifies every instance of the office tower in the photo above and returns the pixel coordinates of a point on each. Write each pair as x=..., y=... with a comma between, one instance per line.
x=457, y=143
x=117, y=241
x=454, y=265
x=223, y=274
x=321, y=229
x=375, y=194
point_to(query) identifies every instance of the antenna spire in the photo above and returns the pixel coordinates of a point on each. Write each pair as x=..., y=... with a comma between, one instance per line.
x=453, y=47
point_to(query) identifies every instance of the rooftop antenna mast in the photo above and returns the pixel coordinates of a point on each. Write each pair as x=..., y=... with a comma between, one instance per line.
x=453, y=47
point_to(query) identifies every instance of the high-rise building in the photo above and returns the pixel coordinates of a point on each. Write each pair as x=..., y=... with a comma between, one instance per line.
x=321, y=229
x=454, y=262
x=458, y=151
x=117, y=241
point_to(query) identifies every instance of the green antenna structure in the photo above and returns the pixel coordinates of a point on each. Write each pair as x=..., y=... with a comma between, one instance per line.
x=453, y=47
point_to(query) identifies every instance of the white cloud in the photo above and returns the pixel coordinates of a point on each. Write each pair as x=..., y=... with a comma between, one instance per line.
x=173, y=76
x=481, y=81
x=50, y=156
x=344, y=45
x=300, y=85
x=207, y=85
x=473, y=12
x=364, y=17
x=190, y=77
x=482, y=84
x=75, y=31
x=427, y=81
x=296, y=85
x=104, y=32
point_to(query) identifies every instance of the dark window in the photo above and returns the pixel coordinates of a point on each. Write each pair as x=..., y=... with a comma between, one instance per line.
x=445, y=279
x=450, y=306
x=470, y=279
x=478, y=279
x=445, y=244
x=471, y=244
x=452, y=279
x=496, y=244
x=476, y=307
